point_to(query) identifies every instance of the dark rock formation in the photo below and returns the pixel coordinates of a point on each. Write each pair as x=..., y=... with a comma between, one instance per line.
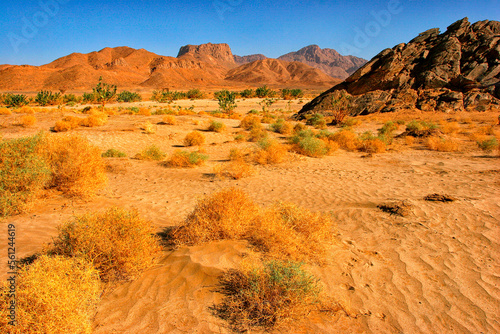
x=241, y=60
x=328, y=60
x=456, y=70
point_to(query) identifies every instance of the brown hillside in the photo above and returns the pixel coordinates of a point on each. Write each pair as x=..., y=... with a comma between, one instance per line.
x=273, y=71
x=213, y=54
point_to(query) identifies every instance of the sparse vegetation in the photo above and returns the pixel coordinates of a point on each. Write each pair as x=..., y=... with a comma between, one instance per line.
x=127, y=96
x=169, y=120
x=488, y=145
x=269, y=151
x=281, y=126
x=216, y=126
x=306, y=143
x=264, y=91
x=442, y=144
x=194, y=138
x=119, y=243
x=15, y=100
x=317, y=120
x=104, y=92
x=113, y=153
x=195, y=94
x=27, y=121
x=226, y=101
x=288, y=94
x=46, y=97
x=153, y=152
x=339, y=107
x=184, y=159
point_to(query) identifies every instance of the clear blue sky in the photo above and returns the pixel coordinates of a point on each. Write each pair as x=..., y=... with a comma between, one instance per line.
x=38, y=32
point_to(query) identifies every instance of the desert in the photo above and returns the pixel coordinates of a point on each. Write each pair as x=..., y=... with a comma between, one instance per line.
x=213, y=193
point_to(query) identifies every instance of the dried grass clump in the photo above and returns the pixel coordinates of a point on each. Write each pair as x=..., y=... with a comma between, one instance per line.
x=119, y=243
x=5, y=111
x=54, y=295
x=270, y=151
x=488, y=145
x=194, y=138
x=282, y=127
x=113, y=153
x=441, y=144
x=25, y=110
x=372, y=145
x=256, y=134
x=250, y=122
x=27, y=121
x=23, y=174
x=346, y=139
x=97, y=119
x=77, y=166
x=306, y=143
x=67, y=123
x=169, y=120
x=184, y=159
x=235, y=169
x=267, y=296
x=153, y=152
x=149, y=128
x=217, y=127
x=449, y=127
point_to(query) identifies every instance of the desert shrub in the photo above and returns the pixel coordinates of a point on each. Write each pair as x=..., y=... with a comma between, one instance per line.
x=288, y=94
x=27, y=121
x=250, y=122
x=371, y=144
x=119, y=243
x=127, y=96
x=304, y=142
x=71, y=98
x=269, y=152
x=267, y=296
x=267, y=118
x=186, y=159
x=76, y=164
x=104, y=92
x=239, y=138
x=98, y=119
x=194, y=138
x=449, y=127
x=169, y=120
x=388, y=128
x=23, y=174
x=15, y=100
x=282, y=126
x=299, y=127
x=441, y=144
x=53, y=295
x=5, y=111
x=89, y=98
x=350, y=122
x=113, y=153
x=416, y=126
x=346, y=140
x=216, y=126
x=339, y=107
x=247, y=93
x=149, y=128
x=67, y=123
x=317, y=120
x=226, y=100
x=166, y=96
x=235, y=169
x=153, y=152
x=488, y=145
x=25, y=110
x=264, y=91
x=46, y=97
x=195, y=94
x=256, y=134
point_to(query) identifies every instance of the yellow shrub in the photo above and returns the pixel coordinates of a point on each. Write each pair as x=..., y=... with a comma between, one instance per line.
x=250, y=122
x=77, y=166
x=5, y=111
x=235, y=169
x=27, y=121
x=442, y=145
x=374, y=145
x=449, y=128
x=270, y=152
x=194, y=138
x=185, y=159
x=346, y=139
x=67, y=123
x=25, y=110
x=119, y=243
x=94, y=120
x=55, y=295
x=144, y=111
x=149, y=128
x=170, y=120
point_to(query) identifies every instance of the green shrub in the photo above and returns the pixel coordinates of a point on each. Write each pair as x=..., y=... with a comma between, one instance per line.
x=46, y=97
x=268, y=296
x=151, y=153
x=15, y=100
x=420, y=126
x=71, y=98
x=23, y=174
x=89, y=98
x=127, y=96
x=166, y=96
x=281, y=126
x=317, y=120
x=288, y=94
x=226, y=100
x=488, y=144
x=104, y=92
x=264, y=91
x=195, y=94
x=113, y=153
x=186, y=159
x=216, y=126
x=247, y=93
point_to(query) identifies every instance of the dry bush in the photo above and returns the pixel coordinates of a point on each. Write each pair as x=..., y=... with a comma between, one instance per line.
x=270, y=151
x=256, y=134
x=67, y=123
x=144, y=111
x=235, y=169
x=194, y=138
x=250, y=122
x=372, y=145
x=5, y=111
x=306, y=143
x=267, y=296
x=283, y=127
x=27, y=121
x=97, y=119
x=153, y=152
x=23, y=174
x=488, y=144
x=216, y=127
x=346, y=140
x=449, y=127
x=441, y=144
x=76, y=164
x=299, y=127
x=54, y=295
x=25, y=110
x=169, y=120
x=239, y=154
x=149, y=128
x=186, y=159
x=119, y=243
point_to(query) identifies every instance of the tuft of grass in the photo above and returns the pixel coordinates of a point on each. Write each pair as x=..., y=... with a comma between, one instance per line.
x=53, y=295
x=27, y=121
x=169, y=120
x=449, y=127
x=488, y=145
x=305, y=143
x=267, y=296
x=67, y=123
x=153, y=152
x=194, y=138
x=441, y=144
x=217, y=127
x=235, y=169
x=76, y=164
x=186, y=159
x=97, y=119
x=317, y=120
x=149, y=128
x=23, y=174
x=371, y=144
x=270, y=151
x=282, y=127
x=256, y=134
x=119, y=243
x=250, y=122
x=346, y=140
x=113, y=153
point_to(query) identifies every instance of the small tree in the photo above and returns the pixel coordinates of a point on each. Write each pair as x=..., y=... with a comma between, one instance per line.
x=104, y=92
x=340, y=106
x=267, y=103
x=226, y=101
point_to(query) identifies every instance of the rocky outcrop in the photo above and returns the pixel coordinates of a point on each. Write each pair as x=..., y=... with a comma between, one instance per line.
x=328, y=60
x=248, y=59
x=456, y=70
x=213, y=54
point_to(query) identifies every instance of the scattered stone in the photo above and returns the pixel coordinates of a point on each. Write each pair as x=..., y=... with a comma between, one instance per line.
x=400, y=208
x=439, y=198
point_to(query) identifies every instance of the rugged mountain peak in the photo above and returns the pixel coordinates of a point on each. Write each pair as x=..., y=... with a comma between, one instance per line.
x=458, y=69
x=240, y=60
x=328, y=60
x=214, y=54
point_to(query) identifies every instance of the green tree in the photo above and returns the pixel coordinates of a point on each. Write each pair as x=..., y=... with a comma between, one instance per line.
x=226, y=101
x=104, y=92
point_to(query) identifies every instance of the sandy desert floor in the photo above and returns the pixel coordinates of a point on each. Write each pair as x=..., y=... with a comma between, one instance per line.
x=434, y=271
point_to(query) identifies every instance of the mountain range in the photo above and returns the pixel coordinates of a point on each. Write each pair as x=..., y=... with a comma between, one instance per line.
x=205, y=65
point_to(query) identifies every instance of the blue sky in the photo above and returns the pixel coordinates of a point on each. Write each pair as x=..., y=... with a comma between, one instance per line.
x=38, y=32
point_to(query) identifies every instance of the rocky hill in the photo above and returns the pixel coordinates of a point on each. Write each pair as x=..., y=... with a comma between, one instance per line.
x=213, y=54
x=451, y=71
x=241, y=60
x=328, y=60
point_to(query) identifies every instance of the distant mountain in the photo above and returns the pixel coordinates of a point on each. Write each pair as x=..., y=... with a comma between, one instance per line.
x=452, y=71
x=274, y=71
x=213, y=54
x=248, y=59
x=328, y=60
